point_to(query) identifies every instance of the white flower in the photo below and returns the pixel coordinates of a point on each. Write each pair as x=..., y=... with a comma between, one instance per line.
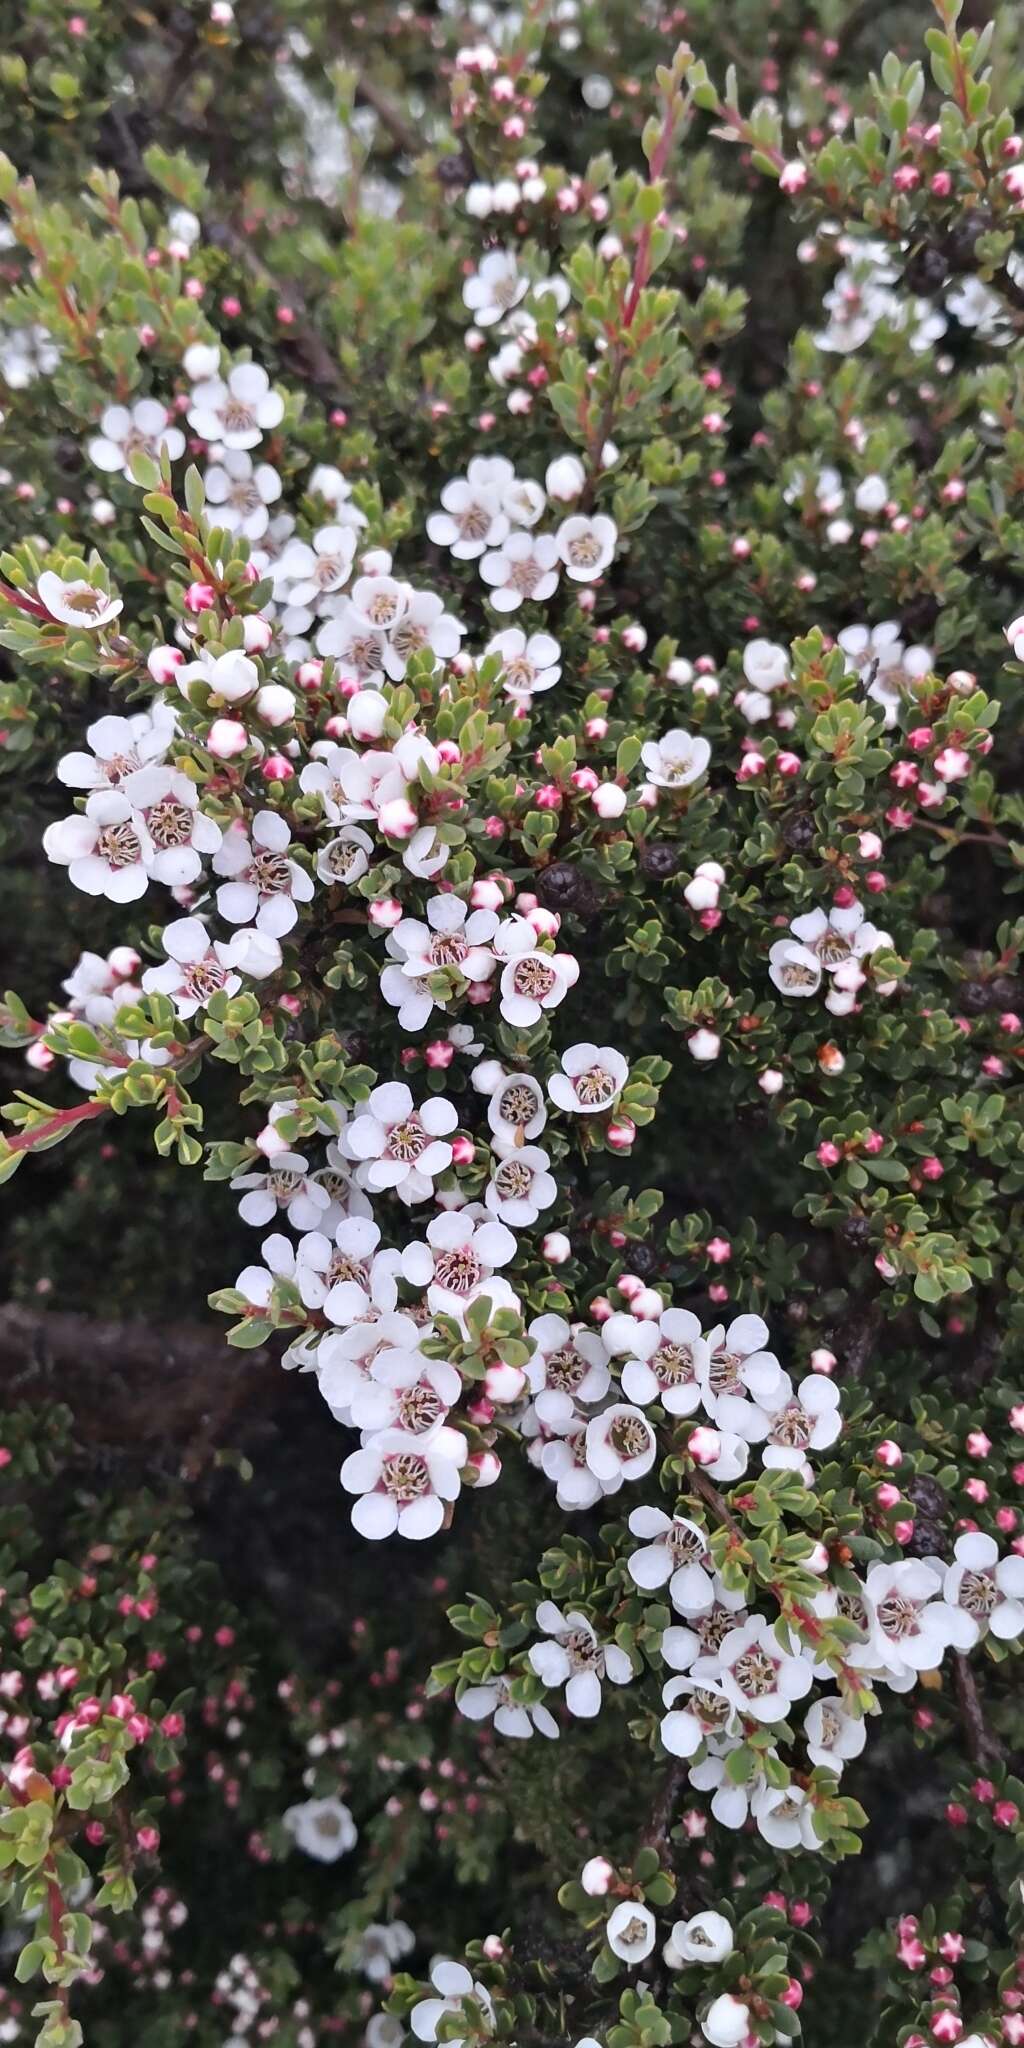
x=755, y=1673
x=232, y=676
x=742, y=1383
x=706, y=1938
x=324, y=1828
x=568, y=1366
x=986, y=1590
x=459, y=1260
x=453, y=937
x=833, y=1737
x=524, y=567
x=794, y=969
x=328, y=483
x=357, y=647
x=591, y=1081
x=480, y=1701
x=808, y=1420
x=265, y=885
x=400, y=1146
x=523, y=501
x=471, y=519
x=423, y=624
x=241, y=491
x=726, y=2023
x=179, y=832
x=383, y=1944
x=571, y=1655
x=677, y=760
x=516, y=1109
x=106, y=848
x=838, y=936
x=675, y=1551
x=345, y=1359
x=586, y=546
x=871, y=494
x=666, y=1357
x=494, y=288
x=620, y=1440
x=287, y=1184
x=141, y=429
x=196, y=968
x=532, y=981
x=785, y=1817
x=883, y=662
x=765, y=664
x=77, y=603
x=910, y=1626
x=236, y=411
x=528, y=664
x=630, y=1932
x=405, y=1390
x=521, y=1186
x=344, y=859
x=349, y=1278
x=404, y=1481
x=121, y=752
x=314, y=572
x=565, y=478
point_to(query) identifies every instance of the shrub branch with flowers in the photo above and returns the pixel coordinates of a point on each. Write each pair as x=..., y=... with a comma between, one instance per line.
x=531, y=663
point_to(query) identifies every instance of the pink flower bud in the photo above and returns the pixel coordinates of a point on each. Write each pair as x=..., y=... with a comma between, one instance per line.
x=828, y=1154
x=503, y=1383
x=486, y=894
x=704, y=1045
x=483, y=1468
x=978, y=1444
x=276, y=768
x=162, y=662
x=584, y=779
x=824, y=1361
x=932, y=1168
x=597, y=1877
x=887, y=1495
x=771, y=1082
x=226, y=737
x=309, y=675
x=621, y=1133
x=147, y=1839
x=258, y=633
x=397, y=819
x=200, y=597
x=555, y=1248
x=463, y=1151
x=609, y=800
x=793, y=176
x=704, y=1445
x=439, y=1053
x=385, y=913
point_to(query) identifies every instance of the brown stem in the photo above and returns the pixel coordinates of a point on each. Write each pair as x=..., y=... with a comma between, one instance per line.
x=982, y=1745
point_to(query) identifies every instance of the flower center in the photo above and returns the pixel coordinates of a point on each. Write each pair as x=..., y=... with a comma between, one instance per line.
x=793, y=1428
x=282, y=1183
x=686, y=1545
x=204, y=978
x=237, y=418
x=517, y=1104
x=383, y=608
x=595, y=1088
x=797, y=974
x=711, y=1709
x=583, y=1651
x=897, y=1616
x=85, y=600
x=520, y=676
x=525, y=575
x=565, y=1370
x=714, y=1626
x=474, y=521
x=634, y=1931
x=755, y=1673
x=513, y=1180
x=585, y=551
x=724, y=1372
x=405, y=1477
x=343, y=1267
x=851, y=1607
x=449, y=949
x=117, y=766
x=270, y=872
x=534, y=977
x=169, y=823
x=832, y=948
x=407, y=1141
x=419, y=1408
x=119, y=845
x=629, y=1436
x=979, y=1593
x=343, y=857
x=458, y=1271
x=672, y=1365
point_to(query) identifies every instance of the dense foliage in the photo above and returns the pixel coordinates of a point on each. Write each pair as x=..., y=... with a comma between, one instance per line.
x=511, y=656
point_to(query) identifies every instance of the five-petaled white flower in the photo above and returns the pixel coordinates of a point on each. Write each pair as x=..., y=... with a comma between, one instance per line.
x=524, y=568
x=528, y=665
x=630, y=1932
x=591, y=1080
x=121, y=753
x=494, y=288
x=480, y=1701
x=105, y=848
x=404, y=1481
x=127, y=431
x=985, y=1590
x=677, y=760
x=586, y=546
x=675, y=1552
x=265, y=885
x=571, y=1655
x=237, y=410
x=400, y=1145
x=241, y=490
x=324, y=1828
x=75, y=602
